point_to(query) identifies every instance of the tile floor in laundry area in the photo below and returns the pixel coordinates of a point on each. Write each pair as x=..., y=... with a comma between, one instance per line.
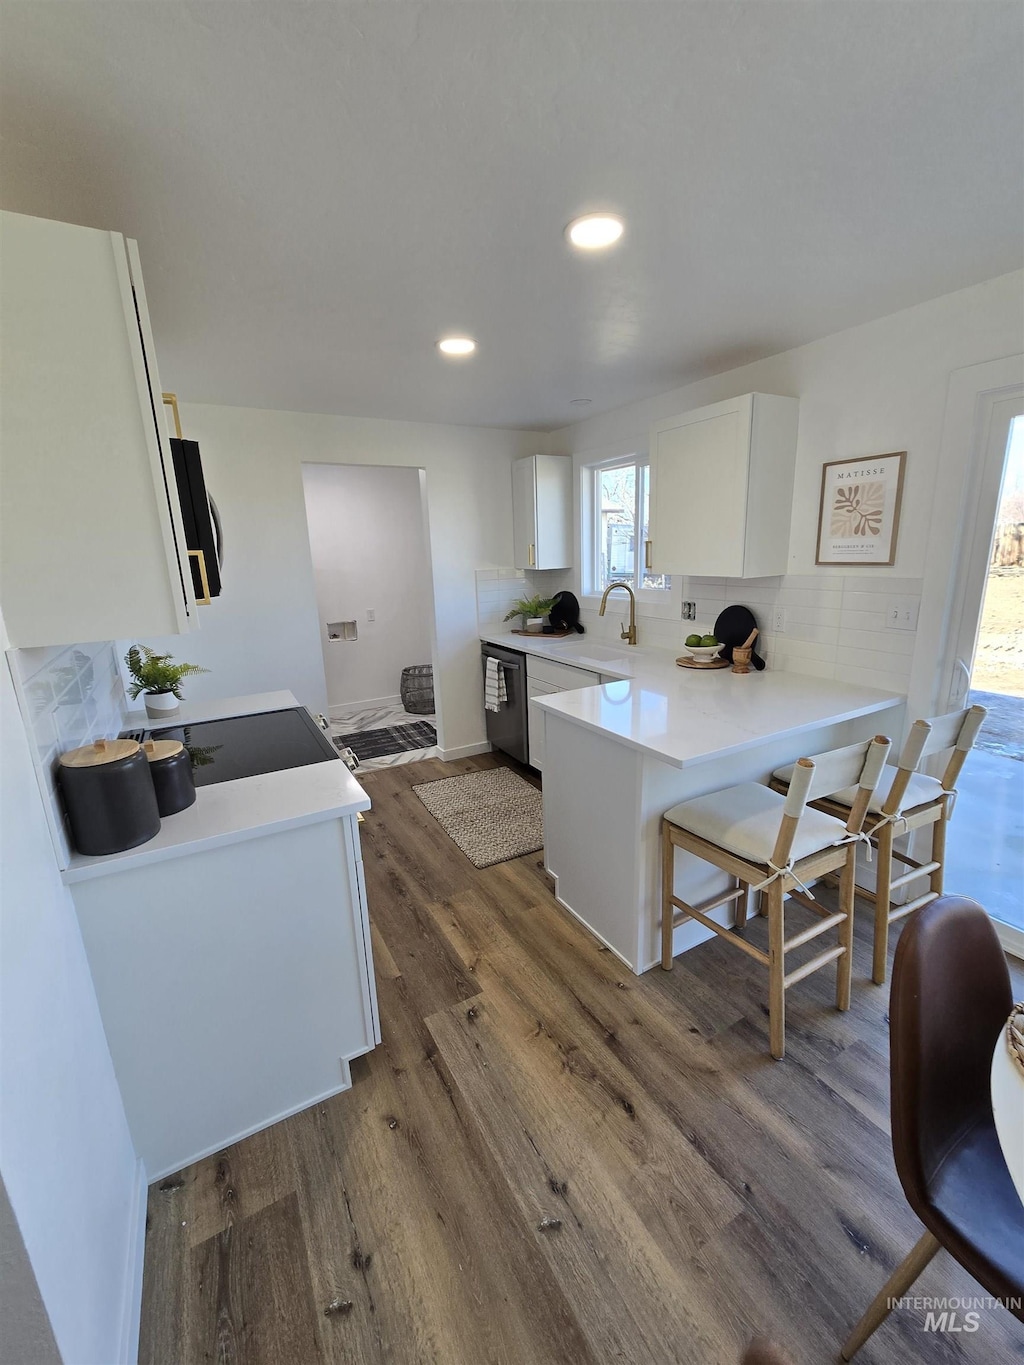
x=380, y=718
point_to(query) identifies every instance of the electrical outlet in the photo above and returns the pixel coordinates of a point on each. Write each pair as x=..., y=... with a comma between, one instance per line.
x=689, y=611
x=901, y=613
x=779, y=620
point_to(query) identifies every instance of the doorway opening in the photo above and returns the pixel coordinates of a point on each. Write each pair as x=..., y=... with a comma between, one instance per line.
x=985, y=853
x=372, y=575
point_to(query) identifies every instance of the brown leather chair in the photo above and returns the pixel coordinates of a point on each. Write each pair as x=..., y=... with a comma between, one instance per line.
x=950, y=999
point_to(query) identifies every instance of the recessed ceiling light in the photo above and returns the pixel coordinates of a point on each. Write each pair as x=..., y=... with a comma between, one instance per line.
x=456, y=345
x=595, y=230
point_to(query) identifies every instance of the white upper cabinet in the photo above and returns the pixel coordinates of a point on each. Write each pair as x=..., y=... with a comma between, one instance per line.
x=91, y=539
x=542, y=512
x=722, y=489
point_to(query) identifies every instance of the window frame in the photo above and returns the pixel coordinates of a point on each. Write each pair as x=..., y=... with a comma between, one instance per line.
x=661, y=602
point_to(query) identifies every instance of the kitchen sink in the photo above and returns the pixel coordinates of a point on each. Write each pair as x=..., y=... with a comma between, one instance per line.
x=597, y=656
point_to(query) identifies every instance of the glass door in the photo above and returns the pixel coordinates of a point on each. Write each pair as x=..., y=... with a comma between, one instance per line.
x=985, y=849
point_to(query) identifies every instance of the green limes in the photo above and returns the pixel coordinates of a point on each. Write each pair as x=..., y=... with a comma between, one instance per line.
x=692, y=641
x=707, y=641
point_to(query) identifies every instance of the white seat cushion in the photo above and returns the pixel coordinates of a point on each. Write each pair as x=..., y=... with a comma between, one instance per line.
x=920, y=789
x=745, y=819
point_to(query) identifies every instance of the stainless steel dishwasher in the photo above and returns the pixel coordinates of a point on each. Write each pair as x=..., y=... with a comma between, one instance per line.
x=506, y=728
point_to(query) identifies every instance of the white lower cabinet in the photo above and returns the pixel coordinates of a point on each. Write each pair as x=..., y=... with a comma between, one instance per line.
x=544, y=676
x=535, y=721
x=235, y=984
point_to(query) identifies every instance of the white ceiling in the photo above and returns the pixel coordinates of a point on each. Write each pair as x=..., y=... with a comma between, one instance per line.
x=321, y=190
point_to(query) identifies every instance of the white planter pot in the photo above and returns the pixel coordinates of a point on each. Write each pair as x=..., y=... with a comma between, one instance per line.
x=535, y=624
x=161, y=704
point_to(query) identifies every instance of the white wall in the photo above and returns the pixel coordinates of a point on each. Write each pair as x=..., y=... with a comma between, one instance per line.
x=368, y=541
x=872, y=389
x=263, y=632
x=27, y=1335
x=65, y=1152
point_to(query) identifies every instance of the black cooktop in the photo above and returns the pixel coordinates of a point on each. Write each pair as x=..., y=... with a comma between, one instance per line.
x=245, y=746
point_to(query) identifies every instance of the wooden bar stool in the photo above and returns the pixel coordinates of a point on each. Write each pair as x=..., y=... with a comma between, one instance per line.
x=912, y=801
x=777, y=843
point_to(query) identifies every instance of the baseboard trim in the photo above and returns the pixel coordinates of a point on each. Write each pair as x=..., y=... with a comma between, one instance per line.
x=589, y=928
x=465, y=751
x=345, y=708
x=131, y=1321
x=1011, y=938
x=265, y=1123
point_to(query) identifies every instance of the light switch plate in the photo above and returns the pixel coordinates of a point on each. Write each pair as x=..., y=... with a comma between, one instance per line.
x=901, y=613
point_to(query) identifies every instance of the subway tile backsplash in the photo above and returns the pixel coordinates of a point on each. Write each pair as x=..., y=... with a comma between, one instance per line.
x=69, y=696
x=496, y=590
x=834, y=626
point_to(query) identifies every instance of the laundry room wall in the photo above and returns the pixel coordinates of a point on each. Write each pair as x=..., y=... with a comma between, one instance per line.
x=370, y=560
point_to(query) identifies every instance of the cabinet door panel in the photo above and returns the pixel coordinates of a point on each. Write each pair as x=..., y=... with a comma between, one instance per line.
x=535, y=722
x=86, y=541
x=542, y=512
x=698, y=495
x=524, y=514
x=553, y=482
x=564, y=677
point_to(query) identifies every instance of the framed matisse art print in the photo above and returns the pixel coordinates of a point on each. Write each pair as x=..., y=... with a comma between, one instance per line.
x=859, y=513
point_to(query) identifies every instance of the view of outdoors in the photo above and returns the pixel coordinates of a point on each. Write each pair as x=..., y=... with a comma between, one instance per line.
x=986, y=839
x=998, y=676
x=623, y=528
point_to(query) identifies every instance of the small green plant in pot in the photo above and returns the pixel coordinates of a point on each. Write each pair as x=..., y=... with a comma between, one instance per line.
x=158, y=678
x=532, y=610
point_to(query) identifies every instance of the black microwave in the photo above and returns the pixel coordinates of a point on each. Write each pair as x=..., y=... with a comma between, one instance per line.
x=203, y=535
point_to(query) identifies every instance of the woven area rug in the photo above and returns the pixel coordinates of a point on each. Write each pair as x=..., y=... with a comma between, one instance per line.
x=392, y=739
x=492, y=816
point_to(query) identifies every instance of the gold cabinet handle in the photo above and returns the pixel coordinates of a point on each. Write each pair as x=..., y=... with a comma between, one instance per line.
x=533, y=558
x=171, y=401
x=206, y=599
x=647, y=554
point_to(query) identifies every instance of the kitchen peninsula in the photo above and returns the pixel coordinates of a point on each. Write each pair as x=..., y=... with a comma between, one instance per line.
x=619, y=754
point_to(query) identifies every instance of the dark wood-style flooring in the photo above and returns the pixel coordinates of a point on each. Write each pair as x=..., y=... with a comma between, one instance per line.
x=549, y=1161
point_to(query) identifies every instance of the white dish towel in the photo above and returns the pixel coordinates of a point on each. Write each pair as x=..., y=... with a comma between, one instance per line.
x=495, y=696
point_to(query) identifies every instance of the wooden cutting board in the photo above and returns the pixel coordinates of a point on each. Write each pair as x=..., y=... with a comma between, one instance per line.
x=545, y=634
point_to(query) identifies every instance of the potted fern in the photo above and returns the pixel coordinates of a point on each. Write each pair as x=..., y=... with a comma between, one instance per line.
x=158, y=678
x=532, y=610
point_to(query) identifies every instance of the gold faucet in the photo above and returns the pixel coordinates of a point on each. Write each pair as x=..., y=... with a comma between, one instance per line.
x=629, y=635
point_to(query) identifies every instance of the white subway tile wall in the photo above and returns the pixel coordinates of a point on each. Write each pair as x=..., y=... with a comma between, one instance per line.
x=496, y=590
x=835, y=626
x=69, y=696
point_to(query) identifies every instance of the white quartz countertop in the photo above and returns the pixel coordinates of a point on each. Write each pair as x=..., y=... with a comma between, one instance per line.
x=193, y=712
x=230, y=812
x=583, y=652
x=684, y=716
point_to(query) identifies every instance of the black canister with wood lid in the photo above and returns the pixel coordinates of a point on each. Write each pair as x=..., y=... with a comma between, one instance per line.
x=170, y=765
x=109, y=796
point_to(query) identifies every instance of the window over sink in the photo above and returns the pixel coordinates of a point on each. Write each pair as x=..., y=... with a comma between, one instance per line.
x=616, y=505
